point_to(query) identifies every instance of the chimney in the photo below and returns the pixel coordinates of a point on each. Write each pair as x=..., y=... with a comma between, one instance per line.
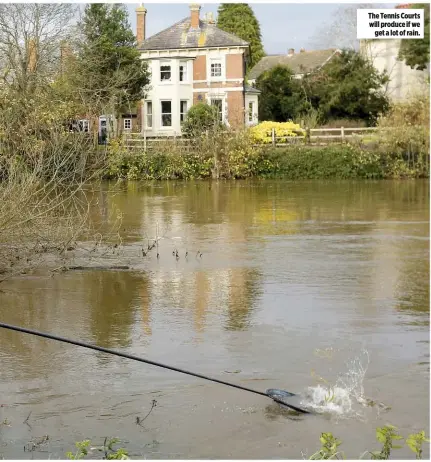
x=32, y=55
x=194, y=15
x=291, y=52
x=302, y=50
x=65, y=55
x=141, y=13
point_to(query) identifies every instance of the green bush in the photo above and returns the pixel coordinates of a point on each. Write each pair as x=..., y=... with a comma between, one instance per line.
x=337, y=161
x=385, y=435
x=201, y=118
x=220, y=155
x=234, y=155
x=405, y=138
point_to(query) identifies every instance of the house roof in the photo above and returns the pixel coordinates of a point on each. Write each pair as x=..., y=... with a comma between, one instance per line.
x=180, y=35
x=250, y=89
x=300, y=63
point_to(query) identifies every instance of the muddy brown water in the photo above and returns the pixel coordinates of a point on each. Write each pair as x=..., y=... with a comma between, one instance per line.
x=296, y=279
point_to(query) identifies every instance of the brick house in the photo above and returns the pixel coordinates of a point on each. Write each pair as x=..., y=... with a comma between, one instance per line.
x=192, y=61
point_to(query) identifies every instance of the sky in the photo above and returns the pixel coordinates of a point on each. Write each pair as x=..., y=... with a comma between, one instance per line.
x=283, y=26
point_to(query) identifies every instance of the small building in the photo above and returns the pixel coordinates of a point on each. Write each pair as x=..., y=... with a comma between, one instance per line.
x=192, y=61
x=301, y=63
x=404, y=82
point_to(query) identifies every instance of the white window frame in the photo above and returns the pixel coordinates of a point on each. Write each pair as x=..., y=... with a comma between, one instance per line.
x=147, y=114
x=85, y=123
x=165, y=113
x=184, y=114
x=124, y=124
x=251, y=111
x=223, y=106
x=185, y=66
x=165, y=64
x=217, y=60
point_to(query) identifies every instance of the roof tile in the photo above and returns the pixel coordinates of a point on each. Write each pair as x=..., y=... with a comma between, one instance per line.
x=300, y=63
x=180, y=35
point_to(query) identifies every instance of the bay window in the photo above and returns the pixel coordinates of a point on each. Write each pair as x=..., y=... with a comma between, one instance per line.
x=166, y=110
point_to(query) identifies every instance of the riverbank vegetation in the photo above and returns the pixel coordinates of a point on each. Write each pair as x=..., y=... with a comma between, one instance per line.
x=54, y=72
x=108, y=450
x=398, y=148
x=387, y=436
x=172, y=162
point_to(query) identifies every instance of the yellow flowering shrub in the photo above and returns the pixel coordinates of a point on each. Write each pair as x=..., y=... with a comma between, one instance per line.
x=261, y=133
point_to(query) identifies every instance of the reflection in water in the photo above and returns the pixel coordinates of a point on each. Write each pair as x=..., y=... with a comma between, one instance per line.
x=98, y=307
x=113, y=299
x=244, y=288
x=145, y=306
x=278, y=411
x=202, y=285
x=412, y=289
x=288, y=268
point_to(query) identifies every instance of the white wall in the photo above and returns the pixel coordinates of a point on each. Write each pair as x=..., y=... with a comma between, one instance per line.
x=405, y=82
x=173, y=91
x=251, y=98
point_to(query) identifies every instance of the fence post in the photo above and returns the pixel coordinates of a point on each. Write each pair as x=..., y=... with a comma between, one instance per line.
x=412, y=153
x=273, y=136
x=342, y=133
x=307, y=136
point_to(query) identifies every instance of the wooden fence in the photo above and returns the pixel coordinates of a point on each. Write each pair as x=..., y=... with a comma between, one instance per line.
x=312, y=136
x=317, y=135
x=137, y=141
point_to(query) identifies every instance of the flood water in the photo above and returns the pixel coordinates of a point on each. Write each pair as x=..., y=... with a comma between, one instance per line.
x=297, y=280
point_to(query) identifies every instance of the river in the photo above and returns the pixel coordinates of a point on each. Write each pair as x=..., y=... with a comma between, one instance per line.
x=299, y=283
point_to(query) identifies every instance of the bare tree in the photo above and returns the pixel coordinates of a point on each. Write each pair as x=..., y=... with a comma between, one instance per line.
x=30, y=41
x=44, y=169
x=341, y=33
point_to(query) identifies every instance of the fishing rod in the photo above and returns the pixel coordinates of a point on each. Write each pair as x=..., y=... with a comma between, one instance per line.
x=279, y=396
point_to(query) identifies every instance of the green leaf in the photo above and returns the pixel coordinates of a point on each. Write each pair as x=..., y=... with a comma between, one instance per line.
x=381, y=437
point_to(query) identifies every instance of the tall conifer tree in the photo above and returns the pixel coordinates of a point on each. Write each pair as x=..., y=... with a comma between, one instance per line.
x=240, y=20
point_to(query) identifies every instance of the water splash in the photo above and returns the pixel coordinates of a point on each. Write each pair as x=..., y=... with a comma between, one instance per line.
x=342, y=398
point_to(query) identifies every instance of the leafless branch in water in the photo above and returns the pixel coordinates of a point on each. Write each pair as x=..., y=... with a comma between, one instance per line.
x=26, y=420
x=140, y=421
